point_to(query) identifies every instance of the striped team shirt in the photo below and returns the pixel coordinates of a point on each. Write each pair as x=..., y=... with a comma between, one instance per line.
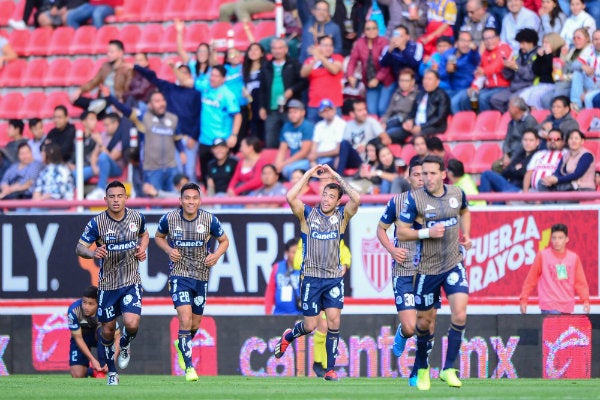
x=321, y=245
x=191, y=238
x=543, y=163
x=443, y=254
x=120, y=268
x=391, y=216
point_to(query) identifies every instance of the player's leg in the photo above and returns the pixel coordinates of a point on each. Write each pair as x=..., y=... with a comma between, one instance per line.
x=109, y=309
x=425, y=341
x=405, y=305
x=131, y=305
x=78, y=362
x=331, y=343
x=320, y=354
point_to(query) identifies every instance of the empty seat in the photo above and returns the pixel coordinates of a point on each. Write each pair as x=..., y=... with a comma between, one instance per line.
x=103, y=36
x=165, y=72
x=19, y=41
x=486, y=125
x=151, y=39
x=540, y=115
x=35, y=73
x=218, y=35
x=461, y=126
x=131, y=11
x=463, y=152
x=12, y=74
x=168, y=44
x=33, y=105
x=206, y=10
x=176, y=9
x=195, y=34
x=58, y=73
x=60, y=42
x=83, y=40
x=8, y=8
x=10, y=105
x=39, y=41
x=241, y=40
x=59, y=98
x=154, y=10
x=408, y=152
x=264, y=29
x=484, y=157
x=396, y=150
x=585, y=118
x=130, y=35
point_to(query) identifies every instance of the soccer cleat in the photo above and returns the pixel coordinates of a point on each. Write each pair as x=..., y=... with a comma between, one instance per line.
x=449, y=376
x=399, y=342
x=423, y=381
x=412, y=381
x=113, y=379
x=180, y=360
x=124, y=356
x=282, y=345
x=191, y=375
x=331, y=376
x=319, y=370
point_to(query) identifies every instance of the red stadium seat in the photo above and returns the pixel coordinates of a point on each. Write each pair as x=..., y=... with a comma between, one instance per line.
x=154, y=10
x=131, y=11
x=19, y=41
x=396, y=150
x=264, y=29
x=463, y=152
x=206, y=10
x=195, y=34
x=585, y=118
x=105, y=35
x=33, y=105
x=8, y=8
x=502, y=127
x=58, y=73
x=165, y=72
x=83, y=40
x=4, y=139
x=484, y=157
x=12, y=74
x=39, y=42
x=61, y=41
x=218, y=35
x=486, y=125
x=540, y=115
x=241, y=40
x=130, y=35
x=10, y=106
x=168, y=44
x=176, y=9
x=594, y=147
x=59, y=98
x=461, y=126
x=408, y=152
x=81, y=71
x=35, y=73
x=155, y=63
x=151, y=39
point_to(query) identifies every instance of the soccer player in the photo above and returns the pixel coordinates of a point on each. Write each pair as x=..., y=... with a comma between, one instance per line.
x=439, y=210
x=84, y=328
x=322, y=287
x=121, y=241
x=405, y=259
x=184, y=235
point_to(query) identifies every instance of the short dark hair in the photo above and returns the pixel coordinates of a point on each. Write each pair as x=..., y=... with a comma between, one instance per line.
x=183, y=66
x=190, y=186
x=489, y=30
x=62, y=108
x=113, y=116
x=53, y=153
x=456, y=167
x=23, y=144
x=221, y=69
x=323, y=37
x=527, y=35
x=533, y=132
x=290, y=243
x=18, y=124
x=402, y=28
x=562, y=135
x=86, y=114
x=445, y=39
x=272, y=166
x=559, y=228
x=115, y=184
x=255, y=143
x=563, y=99
x=33, y=122
x=572, y=131
x=415, y=163
x=434, y=143
x=91, y=292
x=117, y=43
x=335, y=186
x=431, y=159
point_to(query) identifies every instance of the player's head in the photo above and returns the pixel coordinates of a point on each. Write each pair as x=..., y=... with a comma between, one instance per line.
x=116, y=196
x=434, y=173
x=190, y=198
x=559, y=237
x=89, y=301
x=330, y=197
x=415, y=174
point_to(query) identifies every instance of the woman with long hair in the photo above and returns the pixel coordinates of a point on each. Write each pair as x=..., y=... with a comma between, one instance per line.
x=202, y=62
x=551, y=16
x=251, y=70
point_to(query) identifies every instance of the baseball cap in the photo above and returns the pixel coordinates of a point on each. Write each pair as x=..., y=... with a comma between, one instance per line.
x=294, y=103
x=325, y=103
x=219, y=142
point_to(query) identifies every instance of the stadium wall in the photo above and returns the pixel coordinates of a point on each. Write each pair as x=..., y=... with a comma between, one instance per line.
x=495, y=346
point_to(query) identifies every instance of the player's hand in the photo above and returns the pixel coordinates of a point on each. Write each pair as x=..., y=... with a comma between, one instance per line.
x=345, y=269
x=96, y=365
x=100, y=252
x=437, y=231
x=399, y=255
x=211, y=260
x=140, y=253
x=523, y=307
x=465, y=241
x=174, y=255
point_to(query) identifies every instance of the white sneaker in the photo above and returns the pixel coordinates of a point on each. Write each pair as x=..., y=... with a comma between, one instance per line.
x=113, y=379
x=17, y=25
x=97, y=106
x=96, y=194
x=123, y=360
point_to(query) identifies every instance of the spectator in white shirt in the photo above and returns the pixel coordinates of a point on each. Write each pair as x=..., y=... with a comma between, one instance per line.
x=519, y=17
x=578, y=19
x=327, y=135
x=585, y=83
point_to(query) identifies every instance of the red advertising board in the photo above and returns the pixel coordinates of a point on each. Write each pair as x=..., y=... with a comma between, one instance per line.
x=505, y=244
x=567, y=347
x=204, y=352
x=50, y=342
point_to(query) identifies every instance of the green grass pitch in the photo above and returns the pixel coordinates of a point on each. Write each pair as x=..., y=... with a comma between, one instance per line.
x=155, y=387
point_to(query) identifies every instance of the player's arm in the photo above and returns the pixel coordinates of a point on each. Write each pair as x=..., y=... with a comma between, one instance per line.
x=398, y=254
x=161, y=241
x=143, y=241
x=223, y=244
x=293, y=195
x=89, y=236
x=352, y=205
x=465, y=223
x=78, y=338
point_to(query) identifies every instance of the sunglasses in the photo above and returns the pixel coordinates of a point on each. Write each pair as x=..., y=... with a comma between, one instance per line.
x=554, y=139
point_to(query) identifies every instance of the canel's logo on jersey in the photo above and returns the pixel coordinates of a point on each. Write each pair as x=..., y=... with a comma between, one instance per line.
x=447, y=222
x=122, y=246
x=324, y=235
x=189, y=243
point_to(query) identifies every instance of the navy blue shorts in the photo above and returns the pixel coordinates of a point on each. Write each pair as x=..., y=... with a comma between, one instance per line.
x=112, y=303
x=321, y=293
x=76, y=356
x=404, y=295
x=188, y=291
x=427, y=287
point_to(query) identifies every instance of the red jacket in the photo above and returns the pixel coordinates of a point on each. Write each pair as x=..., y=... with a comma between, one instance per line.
x=360, y=53
x=492, y=63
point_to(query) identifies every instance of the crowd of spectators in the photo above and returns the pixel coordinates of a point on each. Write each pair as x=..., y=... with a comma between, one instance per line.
x=361, y=86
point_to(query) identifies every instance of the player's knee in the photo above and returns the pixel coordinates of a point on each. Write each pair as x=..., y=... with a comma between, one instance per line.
x=459, y=318
x=78, y=373
x=310, y=325
x=408, y=331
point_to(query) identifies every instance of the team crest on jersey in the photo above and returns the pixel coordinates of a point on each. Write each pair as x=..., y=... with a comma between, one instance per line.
x=133, y=227
x=174, y=296
x=452, y=278
x=398, y=299
x=198, y=300
x=200, y=228
x=127, y=299
x=333, y=220
x=376, y=263
x=453, y=202
x=335, y=292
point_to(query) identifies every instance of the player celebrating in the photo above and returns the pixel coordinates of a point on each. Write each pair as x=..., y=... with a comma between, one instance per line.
x=440, y=209
x=121, y=242
x=322, y=287
x=189, y=229
x=405, y=259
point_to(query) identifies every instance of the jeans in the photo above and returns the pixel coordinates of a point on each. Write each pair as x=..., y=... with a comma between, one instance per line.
x=581, y=83
x=189, y=169
x=378, y=99
x=161, y=179
x=492, y=181
x=273, y=125
x=79, y=16
x=348, y=157
x=288, y=169
x=108, y=169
